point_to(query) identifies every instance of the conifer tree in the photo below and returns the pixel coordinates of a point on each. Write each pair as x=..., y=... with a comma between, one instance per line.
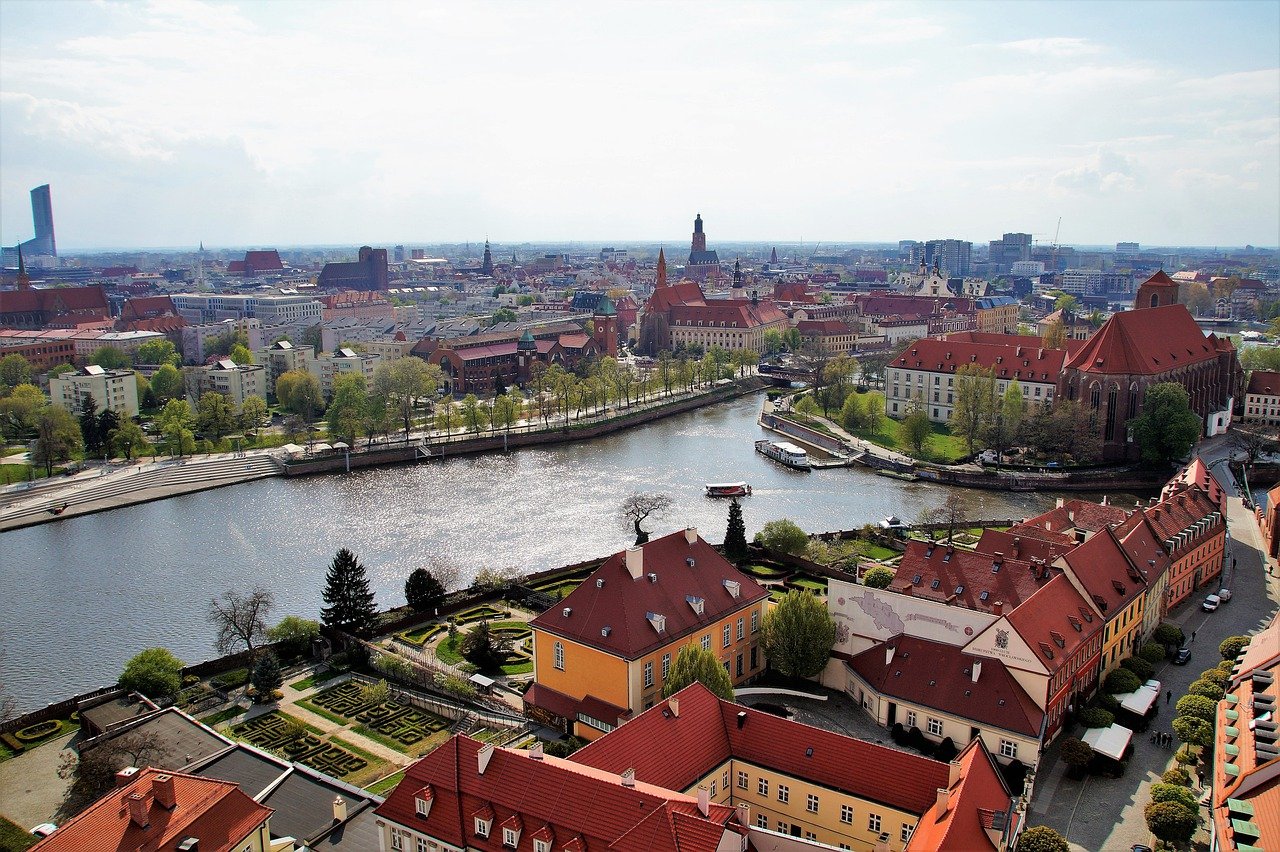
x=735, y=537
x=348, y=598
x=266, y=678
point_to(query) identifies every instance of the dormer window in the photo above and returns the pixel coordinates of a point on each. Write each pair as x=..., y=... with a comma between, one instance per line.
x=422, y=801
x=935, y=584
x=698, y=604
x=483, y=825
x=733, y=587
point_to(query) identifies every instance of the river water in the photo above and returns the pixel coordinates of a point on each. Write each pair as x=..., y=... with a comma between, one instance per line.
x=82, y=595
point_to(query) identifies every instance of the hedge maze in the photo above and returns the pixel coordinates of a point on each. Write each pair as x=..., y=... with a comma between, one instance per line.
x=407, y=726
x=284, y=735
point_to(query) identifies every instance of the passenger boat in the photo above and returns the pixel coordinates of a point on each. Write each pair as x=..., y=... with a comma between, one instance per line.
x=785, y=452
x=728, y=489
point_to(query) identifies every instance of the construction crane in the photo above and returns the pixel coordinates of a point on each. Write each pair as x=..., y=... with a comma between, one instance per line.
x=1053, y=258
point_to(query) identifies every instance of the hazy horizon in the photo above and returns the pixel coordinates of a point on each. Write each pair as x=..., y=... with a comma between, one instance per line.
x=169, y=122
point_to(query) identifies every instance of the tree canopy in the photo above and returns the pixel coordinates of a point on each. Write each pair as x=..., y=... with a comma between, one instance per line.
x=694, y=664
x=641, y=506
x=1167, y=429
x=240, y=620
x=423, y=591
x=783, y=535
x=155, y=672
x=1042, y=838
x=735, y=536
x=878, y=577
x=797, y=635
x=348, y=598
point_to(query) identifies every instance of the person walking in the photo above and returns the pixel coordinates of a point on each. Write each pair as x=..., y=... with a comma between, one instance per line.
x=1168, y=696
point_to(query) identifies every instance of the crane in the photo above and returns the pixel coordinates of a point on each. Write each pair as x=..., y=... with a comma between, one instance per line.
x=1053, y=259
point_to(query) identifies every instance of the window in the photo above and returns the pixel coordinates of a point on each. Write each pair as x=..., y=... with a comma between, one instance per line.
x=728, y=634
x=397, y=842
x=1008, y=749
x=762, y=787
x=706, y=642
x=873, y=823
x=724, y=780
x=784, y=793
x=809, y=835
x=911, y=718
x=762, y=821
x=907, y=830
x=666, y=666
x=422, y=806
x=811, y=804
x=935, y=727
x=713, y=789
x=755, y=621
x=482, y=828
x=846, y=814
x=510, y=838
x=742, y=780
x=559, y=654
x=741, y=632
x=782, y=827
x=541, y=846
x=648, y=674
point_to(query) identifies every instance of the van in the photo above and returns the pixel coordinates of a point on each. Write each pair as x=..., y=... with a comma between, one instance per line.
x=1211, y=603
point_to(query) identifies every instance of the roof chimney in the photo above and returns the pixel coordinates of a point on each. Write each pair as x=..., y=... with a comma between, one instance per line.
x=744, y=814
x=998, y=607
x=339, y=810
x=953, y=775
x=125, y=776
x=888, y=654
x=1060, y=502
x=704, y=800
x=691, y=534
x=635, y=561
x=944, y=799
x=535, y=750
x=484, y=756
x=742, y=719
x=977, y=670
x=673, y=704
x=138, y=810
x=162, y=789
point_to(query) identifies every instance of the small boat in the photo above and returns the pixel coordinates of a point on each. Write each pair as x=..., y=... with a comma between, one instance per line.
x=784, y=452
x=728, y=489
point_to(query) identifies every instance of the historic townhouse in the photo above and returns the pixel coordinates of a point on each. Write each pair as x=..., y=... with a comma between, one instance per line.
x=605, y=652
x=1193, y=531
x=1117, y=589
x=1262, y=398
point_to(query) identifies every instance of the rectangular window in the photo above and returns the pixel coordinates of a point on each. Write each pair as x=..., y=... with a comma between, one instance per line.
x=762, y=787
x=811, y=804
x=907, y=830
x=809, y=835
x=724, y=780
x=782, y=827
x=706, y=642
x=648, y=674
x=666, y=666
x=742, y=780
x=559, y=656
x=784, y=793
x=509, y=838
x=713, y=789
x=541, y=846
x=935, y=727
x=482, y=828
x=728, y=635
x=741, y=631
x=873, y=823
x=755, y=621
x=846, y=814
x=396, y=841
x=762, y=821
x=911, y=718
x=739, y=670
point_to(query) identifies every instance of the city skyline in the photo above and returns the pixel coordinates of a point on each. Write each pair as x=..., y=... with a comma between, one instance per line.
x=164, y=124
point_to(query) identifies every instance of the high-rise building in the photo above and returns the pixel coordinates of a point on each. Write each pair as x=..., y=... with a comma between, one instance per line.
x=1008, y=250
x=43, y=243
x=951, y=256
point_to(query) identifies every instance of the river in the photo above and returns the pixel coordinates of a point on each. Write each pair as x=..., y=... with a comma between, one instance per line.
x=82, y=595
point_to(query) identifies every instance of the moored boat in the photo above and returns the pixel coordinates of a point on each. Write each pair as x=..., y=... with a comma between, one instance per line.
x=784, y=452
x=728, y=489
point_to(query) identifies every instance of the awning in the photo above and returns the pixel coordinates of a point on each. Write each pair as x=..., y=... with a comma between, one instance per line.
x=1112, y=742
x=1139, y=702
x=292, y=448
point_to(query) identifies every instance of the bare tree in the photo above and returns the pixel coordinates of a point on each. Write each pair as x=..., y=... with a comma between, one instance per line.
x=94, y=769
x=240, y=620
x=952, y=511
x=639, y=507
x=1252, y=444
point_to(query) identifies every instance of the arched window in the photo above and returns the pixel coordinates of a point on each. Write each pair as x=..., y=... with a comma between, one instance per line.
x=1095, y=396
x=1133, y=400
x=1111, y=412
x=559, y=652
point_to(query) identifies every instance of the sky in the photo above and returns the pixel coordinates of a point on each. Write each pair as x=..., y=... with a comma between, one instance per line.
x=280, y=123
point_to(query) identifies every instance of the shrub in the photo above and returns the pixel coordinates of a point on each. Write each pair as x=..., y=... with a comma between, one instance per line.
x=1076, y=753
x=878, y=577
x=1177, y=775
x=1206, y=688
x=1143, y=669
x=1232, y=646
x=1153, y=652
x=1198, y=706
x=1227, y=666
x=1121, y=681
x=1171, y=822
x=39, y=730
x=1096, y=717
x=1169, y=634
x=1215, y=676
x=946, y=750
x=155, y=673
x=1174, y=793
x=1041, y=838
x=1108, y=702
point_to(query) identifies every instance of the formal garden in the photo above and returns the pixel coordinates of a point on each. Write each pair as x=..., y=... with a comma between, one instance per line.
x=15, y=743
x=295, y=740
x=378, y=717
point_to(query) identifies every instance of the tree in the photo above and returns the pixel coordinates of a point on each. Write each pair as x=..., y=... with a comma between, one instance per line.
x=175, y=421
x=975, y=403
x=109, y=358
x=94, y=769
x=404, y=382
x=1121, y=681
x=1231, y=647
x=240, y=620
x=694, y=664
x=1055, y=335
x=1076, y=753
x=347, y=409
x=90, y=432
x=1167, y=429
x=1143, y=669
x=735, y=536
x=1171, y=822
x=1252, y=443
x=266, y=678
x=506, y=410
x=1174, y=793
x=503, y=315
x=214, y=415
x=473, y=414
x=1193, y=730
x=916, y=429
x=158, y=352
x=852, y=412
x=295, y=633
x=423, y=591
x=14, y=370
x=348, y=597
x=1207, y=688
x=253, y=414
x=20, y=410
x=797, y=635
x=167, y=383
x=1169, y=634
x=1197, y=706
x=641, y=506
x=57, y=437
x=1042, y=838
x=127, y=439
x=1066, y=303
x=952, y=511
x=155, y=672
x=241, y=354
x=298, y=392
x=483, y=648
x=878, y=577
x=783, y=535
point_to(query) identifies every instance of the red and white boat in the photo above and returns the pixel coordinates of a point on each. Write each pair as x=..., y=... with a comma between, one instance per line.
x=728, y=489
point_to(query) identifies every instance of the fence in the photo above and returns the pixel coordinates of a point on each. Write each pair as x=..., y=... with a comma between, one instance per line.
x=60, y=709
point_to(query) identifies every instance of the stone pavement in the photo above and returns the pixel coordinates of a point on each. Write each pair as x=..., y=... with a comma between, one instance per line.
x=30, y=790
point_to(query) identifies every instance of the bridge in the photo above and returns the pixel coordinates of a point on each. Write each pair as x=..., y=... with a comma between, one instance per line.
x=785, y=375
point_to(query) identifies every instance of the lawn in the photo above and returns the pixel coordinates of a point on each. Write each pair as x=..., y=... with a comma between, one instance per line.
x=819, y=586
x=878, y=552
x=386, y=785
x=422, y=635
x=33, y=736
x=395, y=725
x=221, y=716
x=942, y=447
x=314, y=680
x=448, y=651
x=14, y=838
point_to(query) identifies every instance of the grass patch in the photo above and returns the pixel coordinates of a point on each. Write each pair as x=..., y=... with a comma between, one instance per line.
x=221, y=716
x=386, y=785
x=808, y=583
x=524, y=666
x=14, y=838
x=315, y=679
x=231, y=679
x=757, y=570
x=423, y=634
x=878, y=552
x=448, y=651
x=320, y=711
x=942, y=447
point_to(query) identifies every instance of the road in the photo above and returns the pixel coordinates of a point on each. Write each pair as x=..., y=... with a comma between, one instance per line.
x=1105, y=813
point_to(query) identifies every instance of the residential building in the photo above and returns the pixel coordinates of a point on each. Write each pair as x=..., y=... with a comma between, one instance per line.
x=367, y=272
x=360, y=304
x=605, y=653
x=195, y=338
x=950, y=256
x=1193, y=531
x=1008, y=250
x=159, y=809
x=281, y=357
x=1262, y=398
x=1093, y=282
x=328, y=365
x=996, y=314
x=1074, y=327
x=42, y=353
x=237, y=382
x=127, y=342
x=1244, y=804
x=728, y=323
x=271, y=309
x=111, y=389
x=469, y=796
x=835, y=337
x=1143, y=545
x=1102, y=572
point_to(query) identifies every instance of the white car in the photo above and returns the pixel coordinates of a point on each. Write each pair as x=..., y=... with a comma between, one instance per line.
x=1211, y=603
x=1224, y=595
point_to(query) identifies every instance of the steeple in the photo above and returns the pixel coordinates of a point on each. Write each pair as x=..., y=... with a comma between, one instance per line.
x=24, y=280
x=662, y=271
x=486, y=266
x=773, y=256
x=699, y=238
x=737, y=273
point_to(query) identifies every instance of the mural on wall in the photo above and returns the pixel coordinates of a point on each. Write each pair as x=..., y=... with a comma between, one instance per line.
x=865, y=616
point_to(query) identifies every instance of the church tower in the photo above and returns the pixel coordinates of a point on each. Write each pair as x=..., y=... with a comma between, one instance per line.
x=1156, y=292
x=699, y=238
x=486, y=266
x=24, y=280
x=605, y=322
x=662, y=271
x=526, y=354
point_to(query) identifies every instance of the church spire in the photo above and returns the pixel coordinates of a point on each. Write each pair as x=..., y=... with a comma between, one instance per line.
x=662, y=270
x=486, y=266
x=24, y=280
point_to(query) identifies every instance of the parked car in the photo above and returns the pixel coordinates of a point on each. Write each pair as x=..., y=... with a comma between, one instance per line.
x=1211, y=603
x=1184, y=654
x=44, y=829
x=1224, y=594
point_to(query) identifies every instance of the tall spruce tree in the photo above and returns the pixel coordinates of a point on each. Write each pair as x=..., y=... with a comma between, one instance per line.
x=348, y=598
x=735, y=537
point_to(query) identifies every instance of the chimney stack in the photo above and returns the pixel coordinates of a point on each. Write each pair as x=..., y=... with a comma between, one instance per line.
x=635, y=561
x=744, y=814
x=998, y=607
x=629, y=778
x=704, y=800
x=125, y=776
x=888, y=654
x=484, y=756
x=162, y=789
x=977, y=670
x=944, y=799
x=535, y=750
x=742, y=719
x=1061, y=501
x=138, y=810
x=691, y=534
x=953, y=775
x=339, y=810
x=674, y=704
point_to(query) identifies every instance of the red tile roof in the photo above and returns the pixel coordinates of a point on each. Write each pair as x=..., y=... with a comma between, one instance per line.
x=56, y=300
x=216, y=812
x=1180, y=511
x=1009, y=361
x=976, y=802
x=1150, y=341
x=705, y=733
x=1024, y=547
x=1264, y=382
x=733, y=313
x=1055, y=622
x=936, y=572
x=549, y=796
x=1142, y=543
x=1081, y=515
x=1105, y=572
x=1197, y=473
x=611, y=599
x=940, y=676
x=808, y=327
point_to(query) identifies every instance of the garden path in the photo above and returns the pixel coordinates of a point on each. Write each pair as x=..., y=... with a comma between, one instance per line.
x=328, y=726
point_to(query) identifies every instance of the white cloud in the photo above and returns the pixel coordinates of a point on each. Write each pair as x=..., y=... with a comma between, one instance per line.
x=1058, y=47
x=1102, y=173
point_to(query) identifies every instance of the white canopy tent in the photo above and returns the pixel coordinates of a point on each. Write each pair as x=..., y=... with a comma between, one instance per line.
x=1112, y=742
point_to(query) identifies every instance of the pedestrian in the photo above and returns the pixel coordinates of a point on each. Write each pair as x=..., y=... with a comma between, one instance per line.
x=1168, y=696
x=1193, y=636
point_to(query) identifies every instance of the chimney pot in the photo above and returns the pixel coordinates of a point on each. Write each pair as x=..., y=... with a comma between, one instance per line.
x=138, y=810
x=125, y=776
x=744, y=814
x=629, y=778
x=674, y=704
x=998, y=607
x=635, y=561
x=977, y=670
x=953, y=776
x=339, y=810
x=535, y=750
x=691, y=534
x=742, y=719
x=162, y=789
x=944, y=799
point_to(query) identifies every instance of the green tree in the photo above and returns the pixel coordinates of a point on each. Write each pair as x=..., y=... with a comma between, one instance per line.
x=483, y=648
x=1169, y=634
x=109, y=358
x=1192, y=730
x=1066, y=303
x=20, y=410
x=1207, y=688
x=1076, y=753
x=503, y=315
x=1041, y=838
x=347, y=408
x=474, y=415
x=404, y=383
x=155, y=672
x=14, y=370
x=975, y=403
x=916, y=430
x=694, y=664
x=1174, y=793
x=166, y=384
x=214, y=415
x=57, y=437
x=1171, y=822
x=158, y=352
x=127, y=439
x=853, y=412
x=1121, y=682
x=266, y=678
x=507, y=409
x=735, y=536
x=1153, y=652
x=878, y=577
x=1198, y=706
x=783, y=535
x=90, y=432
x=1167, y=429
x=1055, y=335
x=797, y=635
x=295, y=633
x=298, y=392
x=423, y=591
x=253, y=414
x=348, y=598
x=241, y=354
x=175, y=421
x=1231, y=647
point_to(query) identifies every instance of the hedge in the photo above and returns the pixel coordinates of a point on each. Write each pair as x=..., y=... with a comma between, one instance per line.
x=1096, y=717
